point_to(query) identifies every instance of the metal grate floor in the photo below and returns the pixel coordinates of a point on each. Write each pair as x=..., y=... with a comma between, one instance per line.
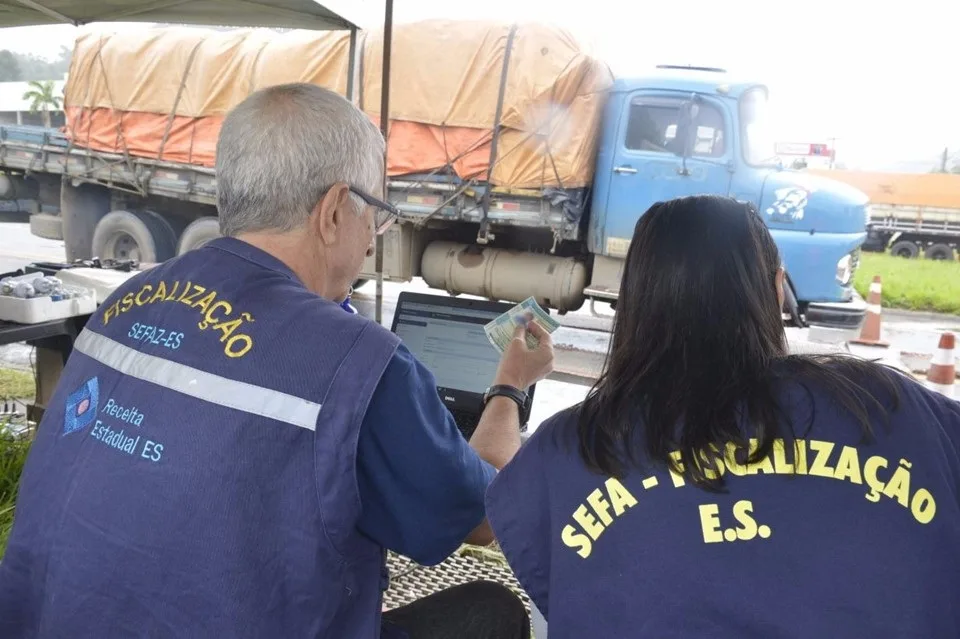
x=410, y=581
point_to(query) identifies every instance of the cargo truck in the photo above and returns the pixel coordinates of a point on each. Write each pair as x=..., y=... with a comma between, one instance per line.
x=520, y=164
x=911, y=214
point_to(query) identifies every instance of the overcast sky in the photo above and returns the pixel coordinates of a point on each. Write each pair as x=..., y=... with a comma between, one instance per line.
x=882, y=79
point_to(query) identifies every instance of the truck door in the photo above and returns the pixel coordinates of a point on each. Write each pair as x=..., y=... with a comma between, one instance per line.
x=648, y=165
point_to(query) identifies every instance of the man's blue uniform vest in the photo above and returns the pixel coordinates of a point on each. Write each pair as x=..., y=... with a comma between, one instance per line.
x=194, y=474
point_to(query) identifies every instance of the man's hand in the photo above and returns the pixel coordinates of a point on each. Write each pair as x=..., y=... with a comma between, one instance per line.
x=522, y=366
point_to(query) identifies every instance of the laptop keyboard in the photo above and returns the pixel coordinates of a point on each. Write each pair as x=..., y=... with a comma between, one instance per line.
x=466, y=421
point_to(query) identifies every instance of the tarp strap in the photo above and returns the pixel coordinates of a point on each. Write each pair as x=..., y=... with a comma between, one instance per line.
x=123, y=140
x=74, y=130
x=176, y=100
x=482, y=235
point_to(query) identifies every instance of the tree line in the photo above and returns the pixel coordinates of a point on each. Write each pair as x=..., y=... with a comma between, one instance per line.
x=21, y=67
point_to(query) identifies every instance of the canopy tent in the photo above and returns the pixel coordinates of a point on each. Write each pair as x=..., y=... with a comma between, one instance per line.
x=294, y=14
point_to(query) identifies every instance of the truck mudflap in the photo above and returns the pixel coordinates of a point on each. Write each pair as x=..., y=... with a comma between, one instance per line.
x=842, y=315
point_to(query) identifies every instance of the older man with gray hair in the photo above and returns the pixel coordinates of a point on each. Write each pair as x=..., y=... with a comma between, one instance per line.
x=229, y=453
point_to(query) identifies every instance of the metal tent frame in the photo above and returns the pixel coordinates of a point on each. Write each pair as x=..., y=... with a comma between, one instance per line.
x=294, y=14
x=301, y=14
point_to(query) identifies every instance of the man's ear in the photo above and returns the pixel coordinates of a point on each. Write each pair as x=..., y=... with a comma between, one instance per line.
x=327, y=216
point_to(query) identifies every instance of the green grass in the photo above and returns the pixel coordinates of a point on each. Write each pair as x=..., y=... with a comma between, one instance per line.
x=13, y=450
x=13, y=454
x=15, y=384
x=915, y=285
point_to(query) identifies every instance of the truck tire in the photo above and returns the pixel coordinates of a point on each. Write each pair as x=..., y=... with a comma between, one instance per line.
x=876, y=241
x=81, y=208
x=141, y=236
x=47, y=226
x=162, y=230
x=905, y=248
x=940, y=252
x=198, y=233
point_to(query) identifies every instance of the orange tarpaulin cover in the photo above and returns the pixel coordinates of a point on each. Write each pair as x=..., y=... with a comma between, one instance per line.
x=940, y=190
x=163, y=92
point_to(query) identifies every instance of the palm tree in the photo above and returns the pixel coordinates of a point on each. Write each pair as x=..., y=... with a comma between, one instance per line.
x=42, y=98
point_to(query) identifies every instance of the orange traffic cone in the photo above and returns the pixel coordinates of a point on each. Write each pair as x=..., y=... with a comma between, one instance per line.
x=943, y=367
x=870, y=333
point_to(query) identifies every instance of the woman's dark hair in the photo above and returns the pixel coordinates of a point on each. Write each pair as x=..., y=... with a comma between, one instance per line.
x=699, y=350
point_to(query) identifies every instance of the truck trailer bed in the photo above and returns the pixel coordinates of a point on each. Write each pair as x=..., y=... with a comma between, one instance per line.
x=422, y=199
x=39, y=150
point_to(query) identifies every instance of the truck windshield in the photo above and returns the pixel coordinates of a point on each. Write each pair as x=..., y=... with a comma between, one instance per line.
x=759, y=145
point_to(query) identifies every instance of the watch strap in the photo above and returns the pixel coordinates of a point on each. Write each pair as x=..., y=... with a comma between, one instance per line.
x=521, y=398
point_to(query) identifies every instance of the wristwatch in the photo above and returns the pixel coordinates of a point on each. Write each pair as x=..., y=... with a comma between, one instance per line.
x=522, y=399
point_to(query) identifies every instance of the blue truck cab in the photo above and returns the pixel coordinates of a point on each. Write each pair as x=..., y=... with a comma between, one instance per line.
x=684, y=131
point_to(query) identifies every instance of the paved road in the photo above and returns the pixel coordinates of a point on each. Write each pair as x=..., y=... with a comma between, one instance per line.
x=18, y=246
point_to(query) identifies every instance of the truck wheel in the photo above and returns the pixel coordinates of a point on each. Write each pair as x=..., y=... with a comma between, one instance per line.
x=140, y=236
x=940, y=252
x=47, y=226
x=905, y=249
x=198, y=233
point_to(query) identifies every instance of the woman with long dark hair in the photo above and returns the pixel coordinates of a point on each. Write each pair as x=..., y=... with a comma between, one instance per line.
x=713, y=485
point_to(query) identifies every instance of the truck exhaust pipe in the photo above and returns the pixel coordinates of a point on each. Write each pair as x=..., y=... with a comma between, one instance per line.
x=503, y=274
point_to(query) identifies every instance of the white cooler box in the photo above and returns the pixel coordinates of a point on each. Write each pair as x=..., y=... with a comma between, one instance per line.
x=103, y=281
x=45, y=309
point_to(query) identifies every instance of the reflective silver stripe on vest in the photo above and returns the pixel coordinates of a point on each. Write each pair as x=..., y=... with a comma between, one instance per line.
x=194, y=382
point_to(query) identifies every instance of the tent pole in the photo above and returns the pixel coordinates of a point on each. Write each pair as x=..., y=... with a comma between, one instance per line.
x=352, y=67
x=384, y=129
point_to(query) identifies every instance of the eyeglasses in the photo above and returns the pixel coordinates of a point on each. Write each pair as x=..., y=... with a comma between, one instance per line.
x=386, y=213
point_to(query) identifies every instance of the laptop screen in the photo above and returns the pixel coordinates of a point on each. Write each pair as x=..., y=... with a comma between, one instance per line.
x=448, y=339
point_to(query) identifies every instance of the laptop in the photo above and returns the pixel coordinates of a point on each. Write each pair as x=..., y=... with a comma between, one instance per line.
x=446, y=335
